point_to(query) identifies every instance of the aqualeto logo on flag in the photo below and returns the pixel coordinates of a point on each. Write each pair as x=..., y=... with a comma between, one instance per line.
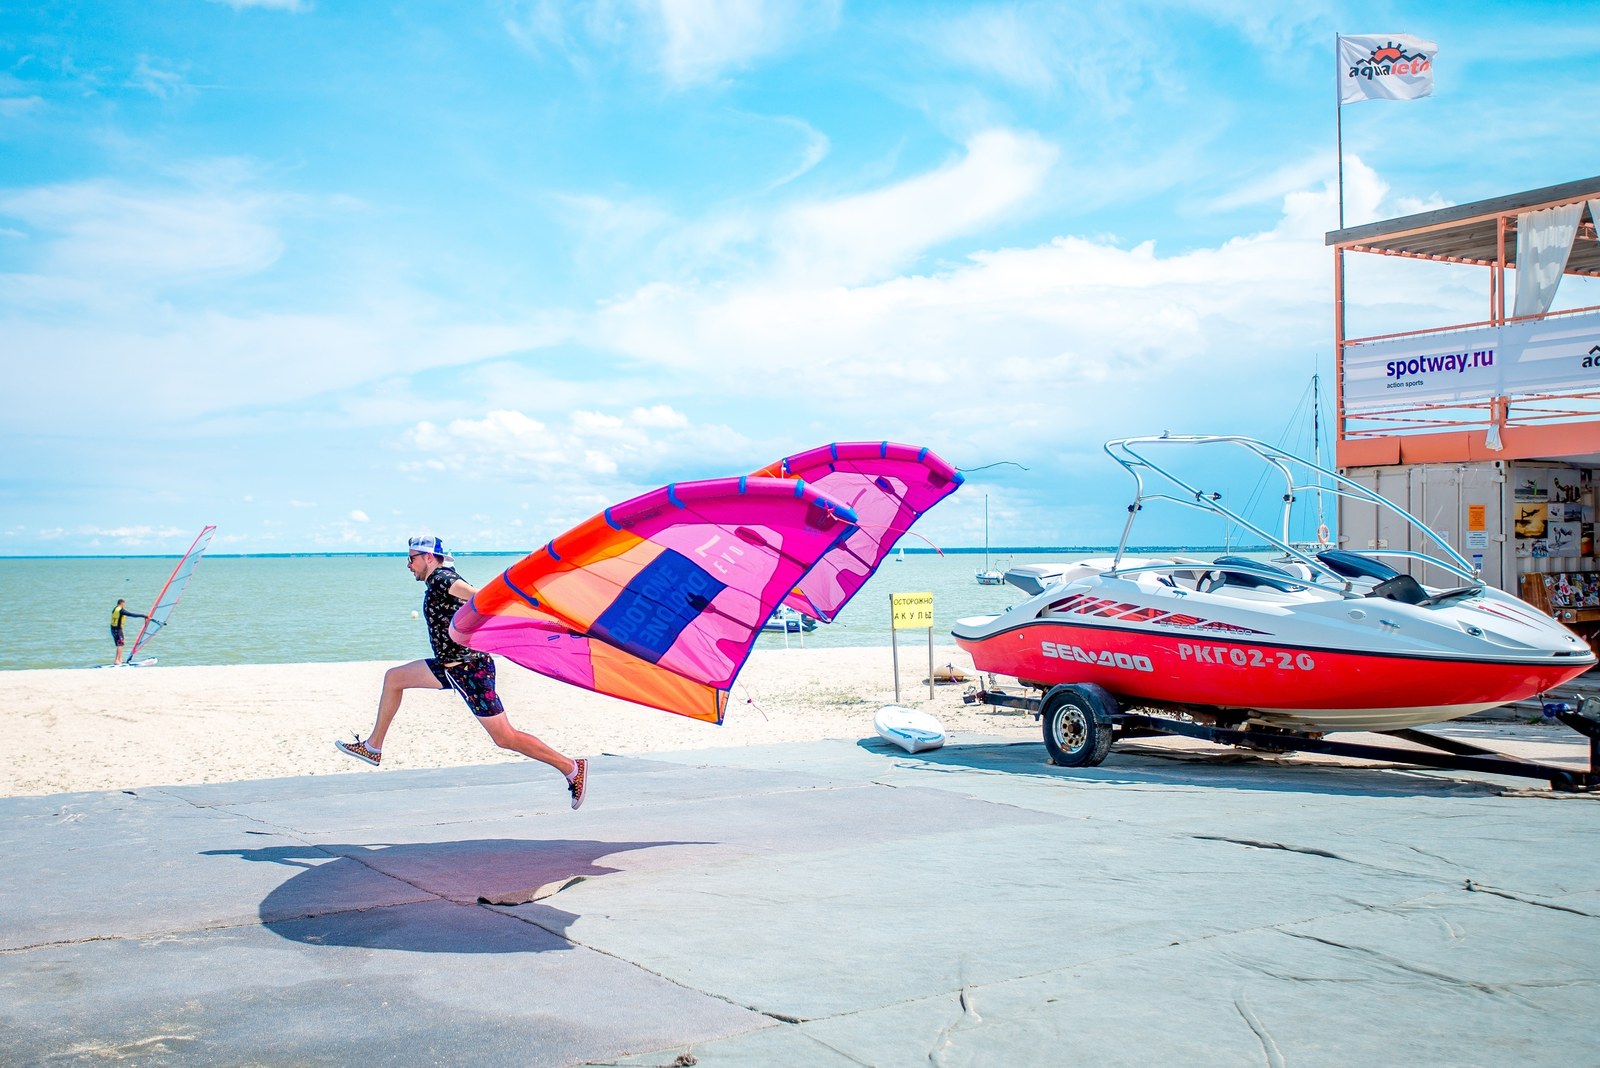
x=1385, y=67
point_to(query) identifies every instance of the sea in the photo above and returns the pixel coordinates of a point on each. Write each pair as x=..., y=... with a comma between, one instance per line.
x=358, y=607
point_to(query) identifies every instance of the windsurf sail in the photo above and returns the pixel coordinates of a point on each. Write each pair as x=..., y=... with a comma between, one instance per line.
x=887, y=486
x=167, y=599
x=658, y=600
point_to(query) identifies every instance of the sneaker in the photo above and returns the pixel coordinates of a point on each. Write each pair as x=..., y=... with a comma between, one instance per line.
x=359, y=750
x=579, y=782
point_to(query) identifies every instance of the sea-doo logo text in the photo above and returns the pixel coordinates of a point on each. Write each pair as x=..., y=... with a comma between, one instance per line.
x=1104, y=658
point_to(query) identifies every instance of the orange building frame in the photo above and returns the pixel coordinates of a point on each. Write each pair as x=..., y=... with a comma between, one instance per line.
x=1530, y=425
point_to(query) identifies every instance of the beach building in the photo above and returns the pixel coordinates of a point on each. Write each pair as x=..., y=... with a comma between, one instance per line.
x=1488, y=429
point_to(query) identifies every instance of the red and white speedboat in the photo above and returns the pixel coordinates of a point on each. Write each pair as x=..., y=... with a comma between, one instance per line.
x=1302, y=639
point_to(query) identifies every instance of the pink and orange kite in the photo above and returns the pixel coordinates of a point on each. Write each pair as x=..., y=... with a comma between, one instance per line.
x=658, y=600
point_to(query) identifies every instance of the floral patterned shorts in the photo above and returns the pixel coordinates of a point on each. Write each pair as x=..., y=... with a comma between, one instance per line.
x=474, y=681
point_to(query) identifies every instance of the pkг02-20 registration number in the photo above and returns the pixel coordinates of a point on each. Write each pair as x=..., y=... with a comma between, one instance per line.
x=1246, y=658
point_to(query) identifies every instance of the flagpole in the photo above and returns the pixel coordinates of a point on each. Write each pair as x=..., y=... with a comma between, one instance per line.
x=1338, y=125
x=1338, y=263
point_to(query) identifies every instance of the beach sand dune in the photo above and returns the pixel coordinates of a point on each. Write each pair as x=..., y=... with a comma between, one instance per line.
x=108, y=730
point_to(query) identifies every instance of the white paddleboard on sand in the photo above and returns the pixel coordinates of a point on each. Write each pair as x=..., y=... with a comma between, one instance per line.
x=908, y=728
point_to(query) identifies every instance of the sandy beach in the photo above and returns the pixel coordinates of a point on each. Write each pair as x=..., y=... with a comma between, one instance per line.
x=109, y=730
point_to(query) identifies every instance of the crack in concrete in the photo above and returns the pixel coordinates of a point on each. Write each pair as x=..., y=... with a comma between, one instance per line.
x=1254, y=844
x=967, y=1019
x=1479, y=888
x=1412, y=968
x=1269, y=1048
x=139, y=936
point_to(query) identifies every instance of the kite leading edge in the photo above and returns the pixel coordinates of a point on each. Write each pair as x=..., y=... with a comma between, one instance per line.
x=888, y=486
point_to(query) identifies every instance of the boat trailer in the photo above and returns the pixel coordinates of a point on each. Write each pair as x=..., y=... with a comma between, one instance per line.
x=1081, y=721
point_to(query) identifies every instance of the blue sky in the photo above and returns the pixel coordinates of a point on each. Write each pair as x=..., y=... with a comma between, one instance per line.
x=327, y=274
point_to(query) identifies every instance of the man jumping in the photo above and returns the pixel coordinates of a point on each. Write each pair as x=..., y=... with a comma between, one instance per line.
x=467, y=671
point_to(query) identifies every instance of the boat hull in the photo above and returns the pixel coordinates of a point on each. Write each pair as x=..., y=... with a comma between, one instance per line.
x=1295, y=686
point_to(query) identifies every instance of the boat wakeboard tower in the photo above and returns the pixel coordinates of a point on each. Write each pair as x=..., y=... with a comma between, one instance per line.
x=1276, y=649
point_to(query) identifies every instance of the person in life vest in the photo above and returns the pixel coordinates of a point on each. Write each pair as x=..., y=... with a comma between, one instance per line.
x=119, y=613
x=454, y=666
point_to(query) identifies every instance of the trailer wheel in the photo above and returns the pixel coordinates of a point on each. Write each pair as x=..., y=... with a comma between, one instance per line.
x=1079, y=722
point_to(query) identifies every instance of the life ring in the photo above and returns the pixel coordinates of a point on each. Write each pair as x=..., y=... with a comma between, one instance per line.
x=1322, y=534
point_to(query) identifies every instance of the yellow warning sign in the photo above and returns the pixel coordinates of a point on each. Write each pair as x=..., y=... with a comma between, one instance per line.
x=911, y=611
x=1477, y=517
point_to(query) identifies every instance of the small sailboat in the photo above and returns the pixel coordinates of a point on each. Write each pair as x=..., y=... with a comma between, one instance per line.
x=788, y=620
x=988, y=576
x=167, y=600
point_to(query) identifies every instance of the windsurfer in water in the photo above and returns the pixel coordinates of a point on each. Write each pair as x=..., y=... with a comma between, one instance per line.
x=118, y=614
x=467, y=671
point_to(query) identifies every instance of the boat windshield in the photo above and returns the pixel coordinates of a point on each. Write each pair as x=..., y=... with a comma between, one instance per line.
x=1354, y=565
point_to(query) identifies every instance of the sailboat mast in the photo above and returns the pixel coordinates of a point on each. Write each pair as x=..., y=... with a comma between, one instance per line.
x=1316, y=443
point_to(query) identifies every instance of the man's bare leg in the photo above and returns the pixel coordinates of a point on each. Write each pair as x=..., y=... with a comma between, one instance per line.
x=416, y=675
x=508, y=737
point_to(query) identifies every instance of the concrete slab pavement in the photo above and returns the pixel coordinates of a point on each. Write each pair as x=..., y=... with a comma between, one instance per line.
x=809, y=904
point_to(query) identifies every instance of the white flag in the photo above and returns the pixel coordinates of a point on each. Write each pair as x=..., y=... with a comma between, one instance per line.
x=1385, y=67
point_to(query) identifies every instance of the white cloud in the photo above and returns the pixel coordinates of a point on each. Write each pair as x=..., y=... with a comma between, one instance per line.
x=1102, y=53
x=186, y=365
x=13, y=107
x=813, y=149
x=292, y=6
x=127, y=537
x=867, y=235
x=686, y=42
x=153, y=78
x=1065, y=341
x=358, y=516
x=1287, y=179
x=704, y=38
x=1006, y=42
x=98, y=234
x=591, y=449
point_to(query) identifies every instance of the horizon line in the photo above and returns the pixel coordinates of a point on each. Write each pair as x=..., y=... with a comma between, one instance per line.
x=954, y=551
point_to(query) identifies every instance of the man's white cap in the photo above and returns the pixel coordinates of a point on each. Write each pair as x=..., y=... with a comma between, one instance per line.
x=427, y=543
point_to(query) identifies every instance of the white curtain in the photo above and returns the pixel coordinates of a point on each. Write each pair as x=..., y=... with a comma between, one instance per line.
x=1544, y=239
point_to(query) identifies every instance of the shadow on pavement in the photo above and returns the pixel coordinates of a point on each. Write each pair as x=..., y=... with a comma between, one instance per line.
x=356, y=894
x=1133, y=763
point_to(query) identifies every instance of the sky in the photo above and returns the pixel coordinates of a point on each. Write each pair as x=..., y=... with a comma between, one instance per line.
x=331, y=274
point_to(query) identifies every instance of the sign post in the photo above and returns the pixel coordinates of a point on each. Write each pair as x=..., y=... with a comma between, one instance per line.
x=910, y=611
